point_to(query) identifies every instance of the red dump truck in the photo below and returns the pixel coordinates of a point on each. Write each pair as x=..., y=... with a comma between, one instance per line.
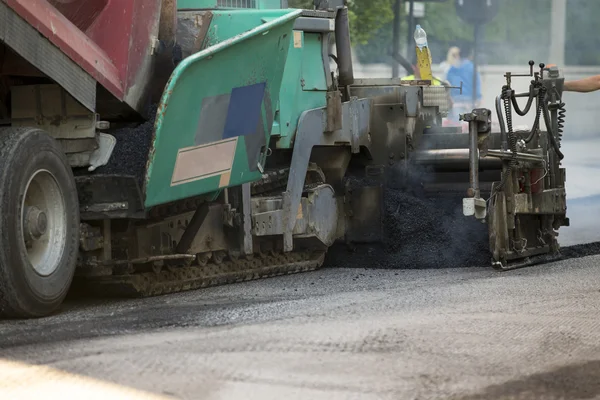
x=100, y=52
x=63, y=63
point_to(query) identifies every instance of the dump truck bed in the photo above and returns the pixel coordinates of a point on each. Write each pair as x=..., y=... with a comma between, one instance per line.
x=111, y=41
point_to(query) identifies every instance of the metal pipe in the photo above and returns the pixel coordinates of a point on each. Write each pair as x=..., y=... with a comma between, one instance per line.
x=343, y=47
x=459, y=158
x=396, y=40
x=476, y=34
x=440, y=141
x=473, y=160
x=411, y=30
x=525, y=157
x=453, y=159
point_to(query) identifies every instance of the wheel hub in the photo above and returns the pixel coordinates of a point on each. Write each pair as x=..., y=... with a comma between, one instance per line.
x=44, y=222
x=36, y=223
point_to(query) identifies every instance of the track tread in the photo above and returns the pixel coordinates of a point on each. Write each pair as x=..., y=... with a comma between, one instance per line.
x=185, y=278
x=180, y=278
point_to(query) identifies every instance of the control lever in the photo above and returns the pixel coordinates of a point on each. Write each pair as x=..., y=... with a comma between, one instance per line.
x=480, y=126
x=510, y=75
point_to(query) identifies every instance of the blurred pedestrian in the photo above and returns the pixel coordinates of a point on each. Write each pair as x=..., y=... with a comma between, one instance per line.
x=452, y=60
x=463, y=73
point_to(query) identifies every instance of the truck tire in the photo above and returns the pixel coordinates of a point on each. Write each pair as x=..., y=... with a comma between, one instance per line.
x=39, y=223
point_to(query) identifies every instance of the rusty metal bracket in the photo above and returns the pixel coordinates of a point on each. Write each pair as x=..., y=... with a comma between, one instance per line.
x=354, y=133
x=334, y=111
x=192, y=229
x=482, y=118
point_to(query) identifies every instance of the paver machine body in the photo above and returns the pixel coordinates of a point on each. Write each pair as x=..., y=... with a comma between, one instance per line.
x=258, y=147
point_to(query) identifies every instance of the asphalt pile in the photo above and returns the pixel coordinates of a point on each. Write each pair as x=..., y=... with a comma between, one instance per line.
x=581, y=250
x=131, y=151
x=419, y=233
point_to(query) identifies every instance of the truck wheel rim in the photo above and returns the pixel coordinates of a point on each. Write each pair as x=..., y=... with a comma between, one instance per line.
x=44, y=222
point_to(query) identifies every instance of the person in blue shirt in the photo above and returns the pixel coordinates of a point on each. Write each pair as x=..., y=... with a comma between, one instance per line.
x=463, y=72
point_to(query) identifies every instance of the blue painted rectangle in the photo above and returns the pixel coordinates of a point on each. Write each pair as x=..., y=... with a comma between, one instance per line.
x=244, y=111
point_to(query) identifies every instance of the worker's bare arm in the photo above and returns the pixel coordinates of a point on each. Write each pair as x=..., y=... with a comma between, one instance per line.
x=585, y=85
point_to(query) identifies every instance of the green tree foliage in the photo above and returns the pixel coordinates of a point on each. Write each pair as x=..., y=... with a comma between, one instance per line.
x=520, y=32
x=366, y=16
x=517, y=34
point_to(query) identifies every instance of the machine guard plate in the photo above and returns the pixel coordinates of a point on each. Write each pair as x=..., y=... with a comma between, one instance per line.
x=215, y=117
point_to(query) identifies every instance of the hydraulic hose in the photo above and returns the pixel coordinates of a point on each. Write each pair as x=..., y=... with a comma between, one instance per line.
x=501, y=120
x=529, y=102
x=512, y=139
x=562, y=114
x=538, y=114
x=508, y=136
x=550, y=133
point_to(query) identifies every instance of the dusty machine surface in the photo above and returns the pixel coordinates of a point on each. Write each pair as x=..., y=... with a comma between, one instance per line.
x=178, y=145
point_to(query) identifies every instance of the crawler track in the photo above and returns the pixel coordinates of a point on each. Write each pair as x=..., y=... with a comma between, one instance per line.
x=158, y=276
x=175, y=279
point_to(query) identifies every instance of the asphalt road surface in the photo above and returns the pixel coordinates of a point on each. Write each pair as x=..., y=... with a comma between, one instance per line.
x=333, y=334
